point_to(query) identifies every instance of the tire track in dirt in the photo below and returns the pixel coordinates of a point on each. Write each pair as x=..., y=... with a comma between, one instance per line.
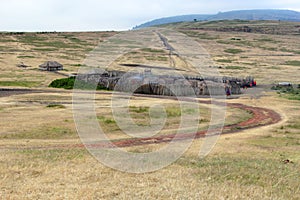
x=260, y=117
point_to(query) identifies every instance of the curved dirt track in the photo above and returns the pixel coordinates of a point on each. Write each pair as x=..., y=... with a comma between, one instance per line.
x=260, y=117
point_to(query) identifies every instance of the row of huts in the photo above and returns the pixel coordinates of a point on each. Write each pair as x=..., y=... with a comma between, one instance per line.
x=148, y=83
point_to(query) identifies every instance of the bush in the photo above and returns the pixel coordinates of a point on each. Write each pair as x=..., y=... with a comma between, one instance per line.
x=288, y=92
x=59, y=106
x=68, y=83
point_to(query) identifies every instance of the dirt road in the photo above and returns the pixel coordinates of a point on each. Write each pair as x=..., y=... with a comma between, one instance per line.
x=260, y=117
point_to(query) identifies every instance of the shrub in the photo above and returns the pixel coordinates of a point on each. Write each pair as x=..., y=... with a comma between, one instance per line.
x=59, y=106
x=288, y=92
x=68, y=83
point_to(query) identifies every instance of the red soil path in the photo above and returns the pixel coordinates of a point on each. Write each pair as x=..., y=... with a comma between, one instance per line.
x=260, y=117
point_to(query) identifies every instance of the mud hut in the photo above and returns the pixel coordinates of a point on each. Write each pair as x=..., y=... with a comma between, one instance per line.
x=22, y=65
x=147, y=83
x=51, y=66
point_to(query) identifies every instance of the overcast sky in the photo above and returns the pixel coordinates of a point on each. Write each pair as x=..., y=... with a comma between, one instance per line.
x=80, y=15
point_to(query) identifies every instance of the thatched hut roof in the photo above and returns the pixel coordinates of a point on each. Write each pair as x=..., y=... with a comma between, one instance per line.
x=51, y=64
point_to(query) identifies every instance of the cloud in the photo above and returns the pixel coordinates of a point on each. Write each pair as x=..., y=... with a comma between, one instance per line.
x=112, y=14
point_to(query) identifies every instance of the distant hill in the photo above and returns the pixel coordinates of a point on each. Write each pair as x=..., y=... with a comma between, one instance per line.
x=168, y=20
x=283, y=15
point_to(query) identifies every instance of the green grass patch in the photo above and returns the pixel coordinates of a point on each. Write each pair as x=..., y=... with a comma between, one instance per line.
x=20, y=83
x=58, y=45
x=267, y=173
x=26, y=57
x=139, y=109
x=223, y=42
x=276, y=141
x=73, y=39
x=4, y=40
x=224, y=61
x=43, y=133
x=294, y=126
x=156, y=58
x=188, y=111
x=38, y=41
x=203, y=36
x=31, y=39
x=238, y=116
x=106, y=120
x=286, y=136
x=291, y=92
x=266, y=39
x=236, y=42
x=144, y=116
x=235, y=67
x=161, y=58
x=293, y=63
x=290, y=51
x=275, y=67
x=233, y=51
x=293, y=96
x=54, y=155
x=108, y=123
x=173, y=112
x=269, y=48
x=152, y=50
x=207, y=37
x=45, y=49
x=289, y=132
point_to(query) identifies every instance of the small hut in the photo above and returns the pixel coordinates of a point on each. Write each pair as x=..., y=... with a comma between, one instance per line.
x=51, y=66
x=22, y=65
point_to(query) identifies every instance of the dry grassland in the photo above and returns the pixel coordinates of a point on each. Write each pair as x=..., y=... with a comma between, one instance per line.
x=40, y=153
